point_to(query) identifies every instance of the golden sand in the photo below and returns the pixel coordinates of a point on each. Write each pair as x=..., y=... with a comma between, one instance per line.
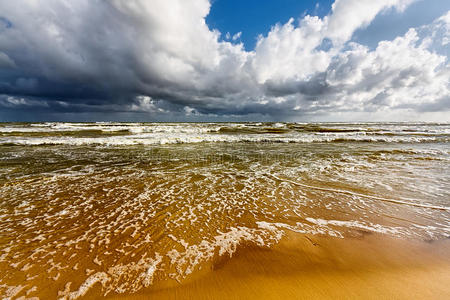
x=311, y=267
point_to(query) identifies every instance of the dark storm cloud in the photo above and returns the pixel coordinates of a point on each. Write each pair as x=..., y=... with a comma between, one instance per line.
x=129, y=57
x=313, y=88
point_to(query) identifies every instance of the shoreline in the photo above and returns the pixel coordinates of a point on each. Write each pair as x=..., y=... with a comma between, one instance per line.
x=373, y=266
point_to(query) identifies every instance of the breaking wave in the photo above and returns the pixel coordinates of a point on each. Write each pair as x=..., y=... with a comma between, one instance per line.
x=176, y=133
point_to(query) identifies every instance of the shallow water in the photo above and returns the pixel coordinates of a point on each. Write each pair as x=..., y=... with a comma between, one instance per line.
x=125, y=205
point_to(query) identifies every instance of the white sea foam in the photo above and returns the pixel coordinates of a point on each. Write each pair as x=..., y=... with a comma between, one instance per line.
x=327, y=132
x=160, y=138
x=11, y=291
x=355, y=224
x=225, y=243
x=99, y=277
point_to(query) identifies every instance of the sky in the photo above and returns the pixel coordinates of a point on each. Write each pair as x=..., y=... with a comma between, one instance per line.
x=225, y=60
x=246, y=20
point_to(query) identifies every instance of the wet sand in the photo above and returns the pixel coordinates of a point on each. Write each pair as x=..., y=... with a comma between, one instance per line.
x=311, y=267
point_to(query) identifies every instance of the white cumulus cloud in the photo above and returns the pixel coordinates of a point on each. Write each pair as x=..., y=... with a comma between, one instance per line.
x=160, y=57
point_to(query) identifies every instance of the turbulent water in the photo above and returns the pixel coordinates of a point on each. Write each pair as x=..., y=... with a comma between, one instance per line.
x=124, y=205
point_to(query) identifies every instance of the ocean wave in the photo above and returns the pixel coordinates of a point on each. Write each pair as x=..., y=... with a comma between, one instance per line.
x=237, y=128
x=161, y=138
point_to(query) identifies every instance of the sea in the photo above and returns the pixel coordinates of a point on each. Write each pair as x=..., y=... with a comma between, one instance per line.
x=122, y=206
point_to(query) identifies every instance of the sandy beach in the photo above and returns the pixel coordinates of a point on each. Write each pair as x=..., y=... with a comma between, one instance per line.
x=310, y=267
